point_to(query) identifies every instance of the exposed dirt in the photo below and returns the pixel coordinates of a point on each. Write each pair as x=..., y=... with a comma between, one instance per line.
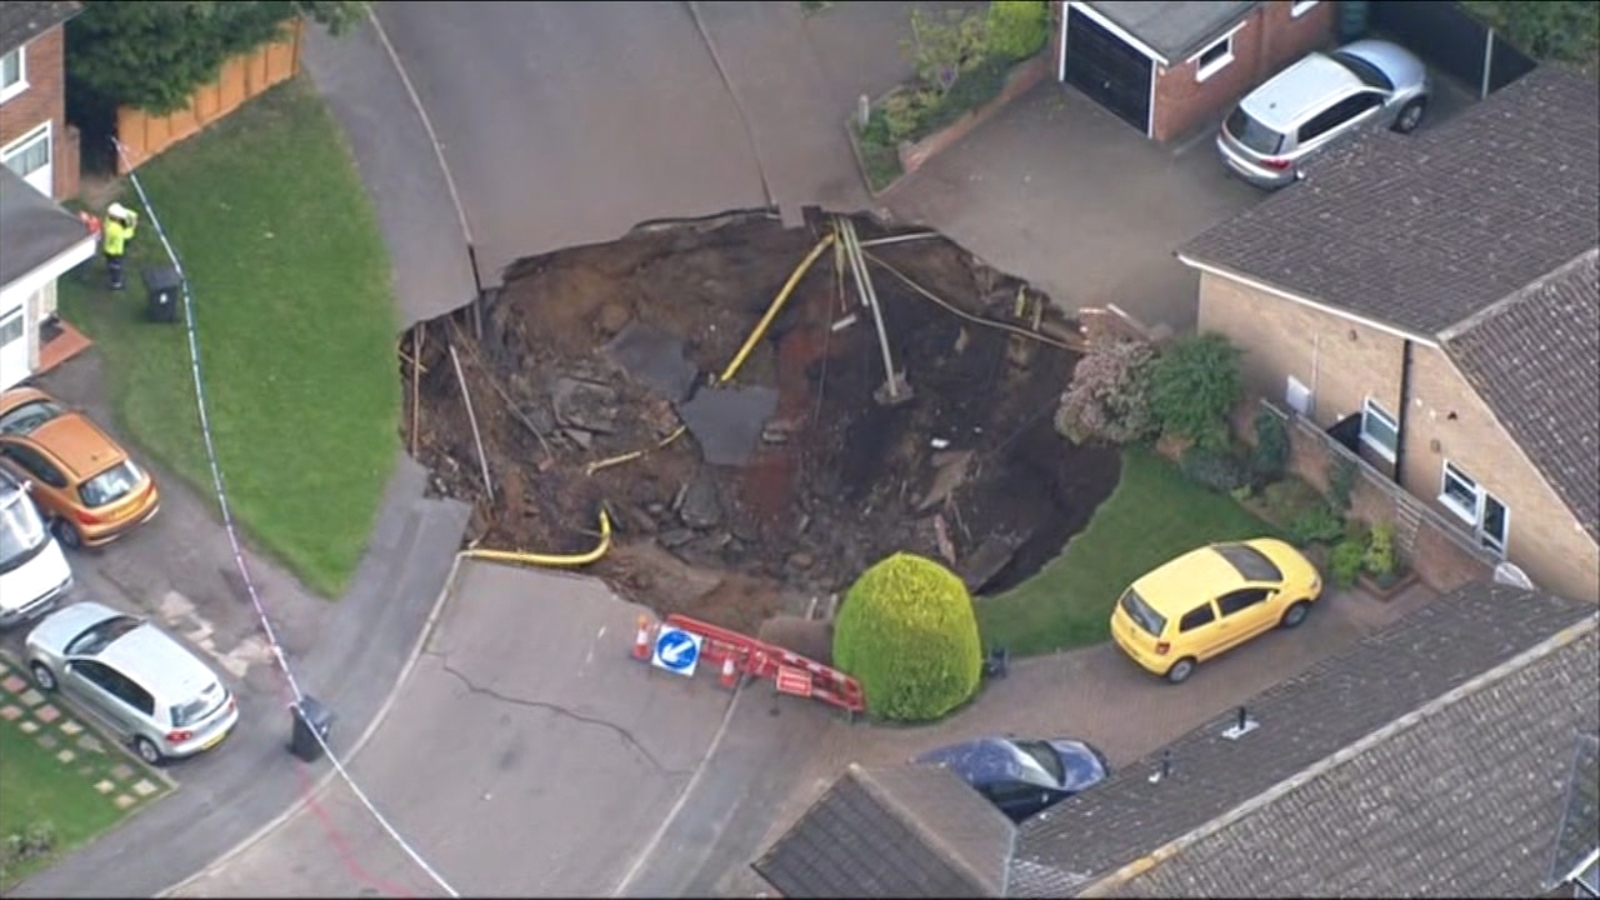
x=968, y=470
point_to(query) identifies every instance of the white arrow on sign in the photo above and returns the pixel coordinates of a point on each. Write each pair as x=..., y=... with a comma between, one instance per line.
x=671, y=655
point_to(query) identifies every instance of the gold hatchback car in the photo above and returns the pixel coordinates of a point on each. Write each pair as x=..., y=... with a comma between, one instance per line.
x=83, y=482
x=1209, y=601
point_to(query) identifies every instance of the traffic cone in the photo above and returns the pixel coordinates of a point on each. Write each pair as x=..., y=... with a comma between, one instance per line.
x=730, y=677
x=641, y=641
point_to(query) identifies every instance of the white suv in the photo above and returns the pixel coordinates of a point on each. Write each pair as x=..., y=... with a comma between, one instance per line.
x=33, y=572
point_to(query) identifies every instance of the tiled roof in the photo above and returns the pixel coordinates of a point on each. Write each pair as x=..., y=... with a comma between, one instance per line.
x=1302, y=723
x=1468, y=801
x=1579, y=838
x=1535, y=358
x=1421, y=231
x=36, y=230
x=23, y=20
x=894, y=831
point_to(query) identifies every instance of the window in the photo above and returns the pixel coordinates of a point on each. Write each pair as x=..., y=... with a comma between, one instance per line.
x=25, y=418
x=1297, y=396
x=1194, y=618
x=11, y=328
x=13, y=74
x=1300, y=7
x=30, y=154
x=1339, y=116
x=128, y=691
x=1214, y=58
x=34, y=463
x=1250, y=563
x=1460, y=494
x=1494, y=524
x=1379, y=430
x=1239, y=601
x=1140, y=611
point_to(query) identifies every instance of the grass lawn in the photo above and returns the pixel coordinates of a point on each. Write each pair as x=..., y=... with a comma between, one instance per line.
x=1154, y=514
x=34, y=789
x=297, y=331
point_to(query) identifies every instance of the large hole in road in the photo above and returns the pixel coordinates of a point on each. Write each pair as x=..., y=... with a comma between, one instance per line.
x=592, y=352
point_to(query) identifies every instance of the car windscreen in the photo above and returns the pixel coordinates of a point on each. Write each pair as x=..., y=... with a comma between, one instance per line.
x=198, y=709
x=1252, y=134
x=111, y=485
x=100, y=635
x=1250, y=563
x=22, y=532
x=1041, y=753
x=25, y=418
x=1370, y=75
x=1140, y=612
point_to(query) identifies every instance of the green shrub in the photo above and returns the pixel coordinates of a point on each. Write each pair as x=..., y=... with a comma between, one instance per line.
x=1017, y=28
x=1379, y=559
x=907, y=632
x=1220, y=470
x=1321, y=524
x=1193, y=385
x=973, y=88
x=1270, y=456
x=1341, y=481
x=944, y=45
x=1344, y=563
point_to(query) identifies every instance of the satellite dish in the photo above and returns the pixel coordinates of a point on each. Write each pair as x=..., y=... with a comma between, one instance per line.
x=1509, y=573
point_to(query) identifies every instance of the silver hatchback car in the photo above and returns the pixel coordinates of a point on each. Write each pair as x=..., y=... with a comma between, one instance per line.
x=149, y=689
x=1318, y=100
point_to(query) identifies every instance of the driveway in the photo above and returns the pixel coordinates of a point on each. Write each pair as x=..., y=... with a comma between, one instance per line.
x=1063, y=194
x=527, y=754
x=179, y=570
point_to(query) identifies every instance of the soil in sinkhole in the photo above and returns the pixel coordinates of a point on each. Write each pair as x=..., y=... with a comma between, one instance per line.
x=968, y=471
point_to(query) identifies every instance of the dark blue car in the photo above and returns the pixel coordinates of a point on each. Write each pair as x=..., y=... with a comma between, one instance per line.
x=1022, y=777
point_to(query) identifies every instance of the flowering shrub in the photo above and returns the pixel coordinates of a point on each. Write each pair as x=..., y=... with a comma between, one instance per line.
x=1108, y=399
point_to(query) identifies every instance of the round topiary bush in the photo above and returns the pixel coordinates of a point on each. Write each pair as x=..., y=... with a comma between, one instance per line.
x=907, y=632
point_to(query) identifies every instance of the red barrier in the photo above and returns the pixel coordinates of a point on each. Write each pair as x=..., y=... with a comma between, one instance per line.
x=790, y=672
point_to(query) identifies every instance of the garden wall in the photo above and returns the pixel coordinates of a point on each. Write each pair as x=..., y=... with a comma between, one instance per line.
x=145, y=136
x=1436, y=550
x=1019, y=81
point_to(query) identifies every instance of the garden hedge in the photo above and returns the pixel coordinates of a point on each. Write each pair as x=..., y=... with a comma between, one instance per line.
x=907, y=632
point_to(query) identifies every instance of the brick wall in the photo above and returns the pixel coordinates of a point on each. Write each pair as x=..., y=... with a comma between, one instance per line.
x=1269, y=40
x=1448, y=420
x=1342, y=361
x=45, y=101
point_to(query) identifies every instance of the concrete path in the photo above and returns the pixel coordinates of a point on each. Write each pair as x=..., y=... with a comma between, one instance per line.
x=179, y=570
x=526, y=755
x=1061, y=193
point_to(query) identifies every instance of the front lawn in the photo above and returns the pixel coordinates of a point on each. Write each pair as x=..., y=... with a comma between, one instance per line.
x=42, y=798
x=297, y=331
x=1154, y=514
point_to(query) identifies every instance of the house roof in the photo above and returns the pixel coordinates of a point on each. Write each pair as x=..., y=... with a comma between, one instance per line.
x=1533, y=358
x=1422, y=231
x=1578, y=840
x=1491, y=646
x=33, y=229
x=1176, y=29
x=894, y=831
x=23, y=20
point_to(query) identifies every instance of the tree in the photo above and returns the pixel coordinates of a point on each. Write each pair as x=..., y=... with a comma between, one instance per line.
x=1109, y=397
x=1553, y=30
x=907, y=632
x=1193, y=385
x=153, y=54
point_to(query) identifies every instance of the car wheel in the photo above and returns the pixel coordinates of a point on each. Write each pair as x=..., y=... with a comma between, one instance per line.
x=67, y=534
x=147, y=751
x=1295, y=614
x=43, y=677
x=1181, y=670
x=1410, y=116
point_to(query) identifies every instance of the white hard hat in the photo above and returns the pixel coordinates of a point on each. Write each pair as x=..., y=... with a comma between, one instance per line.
x=117, y=211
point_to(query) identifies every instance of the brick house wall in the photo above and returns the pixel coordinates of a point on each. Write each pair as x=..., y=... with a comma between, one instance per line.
x=1269, y=39
x=45, y=100
x=1448, y=420
x=1344, y=362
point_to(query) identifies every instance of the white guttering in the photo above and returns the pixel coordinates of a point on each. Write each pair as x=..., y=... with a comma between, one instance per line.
x=1304, y=301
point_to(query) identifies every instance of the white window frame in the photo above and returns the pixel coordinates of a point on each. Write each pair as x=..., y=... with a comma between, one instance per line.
x=1370, y=409
x=1299, y=8
x=1206, y=70
x=21, y=84
x=1452, y=472
x=1498, y=546
x=15, y=148
x=1297, y=397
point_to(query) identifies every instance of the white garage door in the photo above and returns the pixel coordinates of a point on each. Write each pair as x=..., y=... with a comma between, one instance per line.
x=13, y=348
x=30, y=157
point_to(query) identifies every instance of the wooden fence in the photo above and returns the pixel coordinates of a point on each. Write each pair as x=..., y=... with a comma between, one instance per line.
x=145, y=136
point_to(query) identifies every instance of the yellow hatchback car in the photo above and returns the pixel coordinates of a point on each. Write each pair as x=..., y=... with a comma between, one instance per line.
x=1210, y=600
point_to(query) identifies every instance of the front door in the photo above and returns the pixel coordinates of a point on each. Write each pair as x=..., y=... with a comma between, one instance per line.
x=1245, y=614
x=13, y=348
